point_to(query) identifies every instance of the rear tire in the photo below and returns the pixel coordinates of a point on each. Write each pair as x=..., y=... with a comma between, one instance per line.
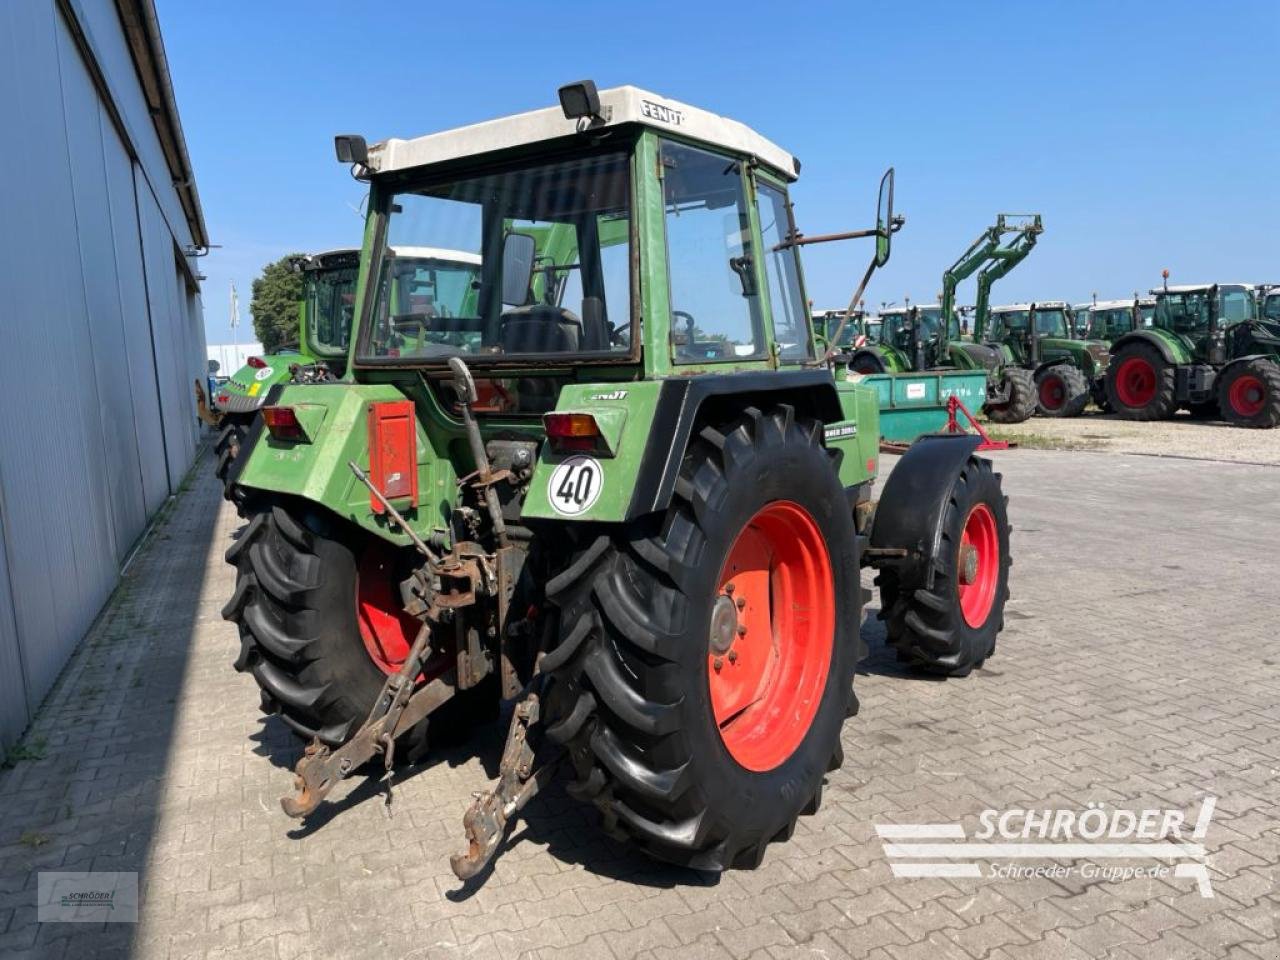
x=1022, y=397
x=940, y=624
x=867, y=364
x=226, y=450
x=1140, y=383
x=1061, y=391
x=1249, y=394
x=632, y=692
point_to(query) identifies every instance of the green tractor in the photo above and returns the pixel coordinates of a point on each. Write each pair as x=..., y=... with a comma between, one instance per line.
x=852, y=333
x=435, y=279
x=1208, y=350
x=916, y=338
x=1108, y=320
x=651, y=547
x=1040, y=337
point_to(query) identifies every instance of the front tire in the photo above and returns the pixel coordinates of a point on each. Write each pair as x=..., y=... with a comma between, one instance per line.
x=1140, y=383
x=1021, y=403
x=1249, y=394
x=675, y=759
x=946, y=617
x=1061, y=391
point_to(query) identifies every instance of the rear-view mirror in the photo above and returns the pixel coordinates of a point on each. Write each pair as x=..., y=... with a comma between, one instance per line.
x=884, y=218
x=518, y=252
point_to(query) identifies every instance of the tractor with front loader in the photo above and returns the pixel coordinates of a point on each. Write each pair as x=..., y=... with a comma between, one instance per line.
x=649, y=545
x=1039, y=337
x=927, y=337
x=1208, y=350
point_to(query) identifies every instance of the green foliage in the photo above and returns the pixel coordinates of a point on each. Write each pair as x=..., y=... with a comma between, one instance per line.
x=275, y=304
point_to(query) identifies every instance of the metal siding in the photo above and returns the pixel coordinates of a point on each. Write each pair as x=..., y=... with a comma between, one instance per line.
x=15, y=711
x=42, y=451
x=138, y=376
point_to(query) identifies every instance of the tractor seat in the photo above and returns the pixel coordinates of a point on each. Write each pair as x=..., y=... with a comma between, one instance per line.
x=540, y=328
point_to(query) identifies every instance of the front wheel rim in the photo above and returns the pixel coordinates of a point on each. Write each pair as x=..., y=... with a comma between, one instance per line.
x=772, y=636
x=978, y=565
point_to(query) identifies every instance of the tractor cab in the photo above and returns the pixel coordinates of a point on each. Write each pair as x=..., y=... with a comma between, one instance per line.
x=1201, y=316
x=918, y=333
x=1109, y=319
x=1081, y=320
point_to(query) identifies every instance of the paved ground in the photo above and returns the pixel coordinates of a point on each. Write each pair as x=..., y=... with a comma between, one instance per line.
x=1138, y=669
x=1182, y=436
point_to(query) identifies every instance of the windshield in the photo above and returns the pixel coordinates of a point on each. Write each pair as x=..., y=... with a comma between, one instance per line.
x=1271, y=308
x=1009, y=321
x=331, y=297
x=1110, y=322
x=441, y=290
x=1184, y=312
x=1052, y=322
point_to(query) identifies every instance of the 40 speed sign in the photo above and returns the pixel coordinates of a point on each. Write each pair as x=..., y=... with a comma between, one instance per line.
x=575, y=486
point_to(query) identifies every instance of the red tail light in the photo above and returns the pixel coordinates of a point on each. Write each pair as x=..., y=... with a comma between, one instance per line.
x=573, y=433
x=283, y=424
x=256, y=362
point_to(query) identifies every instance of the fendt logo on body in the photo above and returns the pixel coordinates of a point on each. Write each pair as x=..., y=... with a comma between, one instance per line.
x=661, y=113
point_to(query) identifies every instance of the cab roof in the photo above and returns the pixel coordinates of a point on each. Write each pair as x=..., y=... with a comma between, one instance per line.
x=1109, y=304
x=1195, y=287
x=618, y=106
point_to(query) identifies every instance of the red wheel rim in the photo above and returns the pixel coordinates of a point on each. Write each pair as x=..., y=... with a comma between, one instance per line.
x=978, y=565
x=773, y=629
x=385, y=629
x=1053, y=392
x=1136, y=382
x=1247, y=395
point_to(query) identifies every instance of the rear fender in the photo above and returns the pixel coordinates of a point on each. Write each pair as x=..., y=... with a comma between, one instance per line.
x=910, y=512
x=1171, y=347
x=1055, y=362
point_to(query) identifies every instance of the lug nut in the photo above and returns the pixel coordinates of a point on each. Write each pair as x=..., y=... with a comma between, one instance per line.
x=742, y=630
x=717, y=663
x=728, y=588
x=733, y=656
x=742, y=603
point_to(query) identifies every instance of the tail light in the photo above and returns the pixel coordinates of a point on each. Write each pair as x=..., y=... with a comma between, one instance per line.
x=256, y=362
x=574, y=433
x=283, y=424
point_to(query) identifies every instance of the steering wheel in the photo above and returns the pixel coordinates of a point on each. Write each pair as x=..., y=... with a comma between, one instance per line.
x=689, y=322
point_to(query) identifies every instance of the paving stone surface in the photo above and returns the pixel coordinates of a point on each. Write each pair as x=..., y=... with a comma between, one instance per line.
x=1138, y=669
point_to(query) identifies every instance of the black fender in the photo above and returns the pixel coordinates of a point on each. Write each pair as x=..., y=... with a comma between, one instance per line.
x=869, y=352
x=1240, y=361
x=1045, y=365
x=688, y=402
x=1141, y=336
x=910, y=511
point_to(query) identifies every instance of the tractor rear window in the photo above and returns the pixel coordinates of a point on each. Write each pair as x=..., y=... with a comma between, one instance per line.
x=333, y=294
x=527, y=262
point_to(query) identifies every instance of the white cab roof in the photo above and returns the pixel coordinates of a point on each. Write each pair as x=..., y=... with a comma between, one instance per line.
x=1193, y=287
x=437, y=253
x=1010, y=307
x=1112, y=304
x=619, y=105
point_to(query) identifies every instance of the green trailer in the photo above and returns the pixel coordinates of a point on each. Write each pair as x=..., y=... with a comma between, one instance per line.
x=1209, y=350
x=651, y=547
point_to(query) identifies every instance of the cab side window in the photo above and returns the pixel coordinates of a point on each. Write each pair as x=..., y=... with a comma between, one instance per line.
x=782, y=272
x=715, y=303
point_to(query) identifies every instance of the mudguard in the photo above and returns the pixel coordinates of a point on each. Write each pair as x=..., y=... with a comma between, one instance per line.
x=875, y=352
x=1046, y=364
x=1171, y=346
x=910, y=511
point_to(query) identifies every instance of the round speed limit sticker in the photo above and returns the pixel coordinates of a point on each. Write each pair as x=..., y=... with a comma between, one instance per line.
x=575, y=486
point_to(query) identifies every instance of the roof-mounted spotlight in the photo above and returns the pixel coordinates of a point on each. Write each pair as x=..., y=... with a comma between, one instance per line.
x=581, y=100
x=351, y=149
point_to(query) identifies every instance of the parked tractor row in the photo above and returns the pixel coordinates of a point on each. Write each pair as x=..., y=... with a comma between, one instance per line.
x=595, y=462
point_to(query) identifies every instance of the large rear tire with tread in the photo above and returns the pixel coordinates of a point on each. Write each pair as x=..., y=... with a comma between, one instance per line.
x=1141, y=383
x=1022, y=397
x=633, y=684
x=321, y=625
x=1061, y=391
x=947, y=623
x=1249, y=394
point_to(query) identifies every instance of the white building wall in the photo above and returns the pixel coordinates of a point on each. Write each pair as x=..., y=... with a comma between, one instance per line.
x=101, y=331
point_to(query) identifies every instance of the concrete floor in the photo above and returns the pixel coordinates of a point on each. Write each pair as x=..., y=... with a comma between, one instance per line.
x=1137, y=669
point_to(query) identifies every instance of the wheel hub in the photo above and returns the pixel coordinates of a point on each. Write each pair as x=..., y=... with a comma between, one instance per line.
x=724, y=624
x=968, y=563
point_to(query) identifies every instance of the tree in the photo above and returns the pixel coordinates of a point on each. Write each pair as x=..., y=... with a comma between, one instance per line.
x=275, y=304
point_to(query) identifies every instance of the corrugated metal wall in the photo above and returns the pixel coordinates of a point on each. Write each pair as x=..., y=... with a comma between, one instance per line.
x=101, y=335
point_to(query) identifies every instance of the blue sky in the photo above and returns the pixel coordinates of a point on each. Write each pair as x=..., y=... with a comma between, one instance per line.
x=1146, y=133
